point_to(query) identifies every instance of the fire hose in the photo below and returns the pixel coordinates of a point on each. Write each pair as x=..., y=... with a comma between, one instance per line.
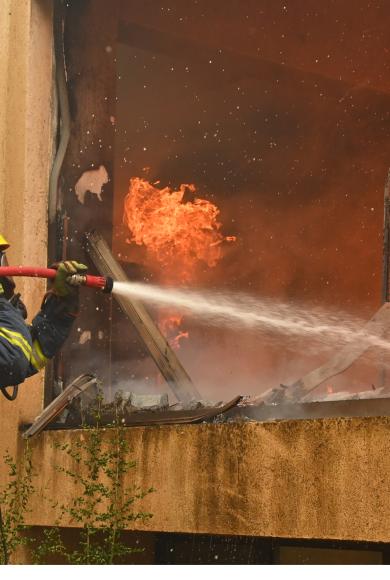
x=97, y=282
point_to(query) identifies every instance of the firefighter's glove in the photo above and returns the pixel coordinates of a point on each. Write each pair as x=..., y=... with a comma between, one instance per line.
x=64, y=271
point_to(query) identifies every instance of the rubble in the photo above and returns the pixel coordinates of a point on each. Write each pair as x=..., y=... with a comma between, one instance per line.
x=194, y=404
x=129, y=408
x=150, y=402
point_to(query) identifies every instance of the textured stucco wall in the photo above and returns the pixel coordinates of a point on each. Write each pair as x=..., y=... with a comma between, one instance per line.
x=25, y=159
x=326, y=478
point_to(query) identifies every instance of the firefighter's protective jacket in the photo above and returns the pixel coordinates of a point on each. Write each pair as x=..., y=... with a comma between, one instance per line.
x=24, y=350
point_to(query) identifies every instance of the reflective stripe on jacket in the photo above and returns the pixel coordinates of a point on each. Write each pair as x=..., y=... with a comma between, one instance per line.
x=24, y=350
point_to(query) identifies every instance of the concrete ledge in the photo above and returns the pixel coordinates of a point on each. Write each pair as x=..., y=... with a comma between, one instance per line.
x=324, y=478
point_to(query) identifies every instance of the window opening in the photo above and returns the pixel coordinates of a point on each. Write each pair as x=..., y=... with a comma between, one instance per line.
x=269, y=148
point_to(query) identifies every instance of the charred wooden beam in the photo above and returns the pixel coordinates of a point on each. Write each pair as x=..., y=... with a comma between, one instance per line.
x=52, y=411
x=165, y=358
x=379, y=324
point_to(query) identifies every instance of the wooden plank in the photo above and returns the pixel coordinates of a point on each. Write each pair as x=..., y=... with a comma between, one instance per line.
x=52, y=411
x=158, y=347
x=378, y=324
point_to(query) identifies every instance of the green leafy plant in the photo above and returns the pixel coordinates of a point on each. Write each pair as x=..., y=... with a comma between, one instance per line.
x=14, y=498
x=104, y=508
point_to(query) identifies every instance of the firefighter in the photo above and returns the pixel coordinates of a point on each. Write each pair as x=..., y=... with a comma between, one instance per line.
x=24, y=349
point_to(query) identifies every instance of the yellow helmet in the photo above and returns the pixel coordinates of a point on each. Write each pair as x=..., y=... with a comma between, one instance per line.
x=4, y=245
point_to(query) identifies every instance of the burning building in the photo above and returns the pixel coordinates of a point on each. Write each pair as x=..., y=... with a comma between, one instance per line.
x=242, y=150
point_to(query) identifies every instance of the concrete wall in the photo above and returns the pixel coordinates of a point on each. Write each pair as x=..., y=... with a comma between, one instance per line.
x=325, y=479
x=26, y=143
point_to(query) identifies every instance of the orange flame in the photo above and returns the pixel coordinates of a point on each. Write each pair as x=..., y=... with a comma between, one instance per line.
x=169, y=324
x=178, y=236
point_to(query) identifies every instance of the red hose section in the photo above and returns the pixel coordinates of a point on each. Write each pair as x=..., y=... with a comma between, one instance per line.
x=33, y=272
x=30, y=271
